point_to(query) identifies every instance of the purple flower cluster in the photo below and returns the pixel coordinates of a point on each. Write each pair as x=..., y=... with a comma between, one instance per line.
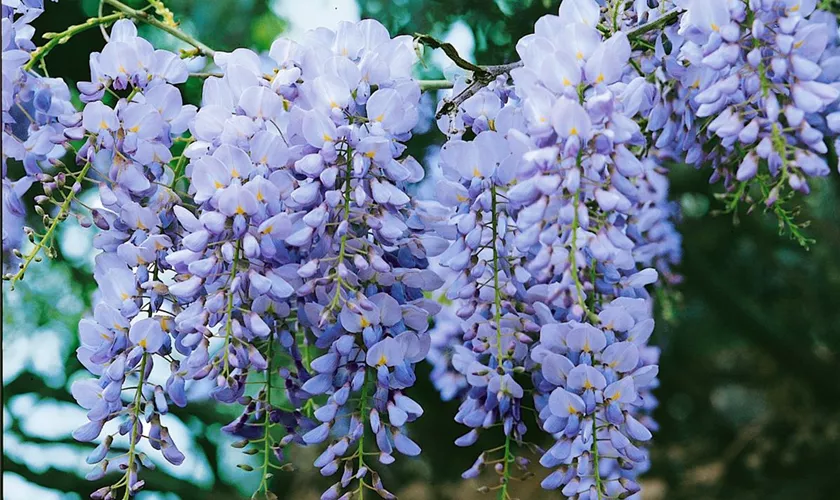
x=484, y=266
x=128, y=147
x=446, y=352
x=745, y=88
x=265, y=246
x=32, y=106
x=559, y=223
x=302, y=244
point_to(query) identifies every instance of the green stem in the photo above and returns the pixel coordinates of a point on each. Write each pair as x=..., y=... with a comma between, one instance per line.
x=618, y=5
x=503, y=491
x=60, y=38
x=309, y=407
x=342, y=250
x=152, y=21
x=229, y=311
x=497, y=294
x=267, y=421
x=62, y=212
x=596, y=299
x=573, y=260
x=348, y=190
x=181, y=165
x=595, y=456
x=426, y=85
x=131, y=455
x=497, y=318
x=360, y=491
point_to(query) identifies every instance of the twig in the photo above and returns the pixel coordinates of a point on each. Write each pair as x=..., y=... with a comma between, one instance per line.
x=62, y=214
x=60, y=38
x=477, y=82
x=450, y=51
x=666, y=19
x=481, y=76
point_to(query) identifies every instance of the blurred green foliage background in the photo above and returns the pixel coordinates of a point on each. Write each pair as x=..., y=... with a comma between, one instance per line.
x=750, y=375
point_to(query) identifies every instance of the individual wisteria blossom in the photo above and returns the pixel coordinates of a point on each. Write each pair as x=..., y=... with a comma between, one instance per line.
x=32, y=107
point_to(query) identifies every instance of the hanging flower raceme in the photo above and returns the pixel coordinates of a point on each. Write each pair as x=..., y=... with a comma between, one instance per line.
x=128, y=147
x=589, y=206
x=303, y=245
x=556, y=166
x=487, y=277
x=33, y=109
x=746, y=87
